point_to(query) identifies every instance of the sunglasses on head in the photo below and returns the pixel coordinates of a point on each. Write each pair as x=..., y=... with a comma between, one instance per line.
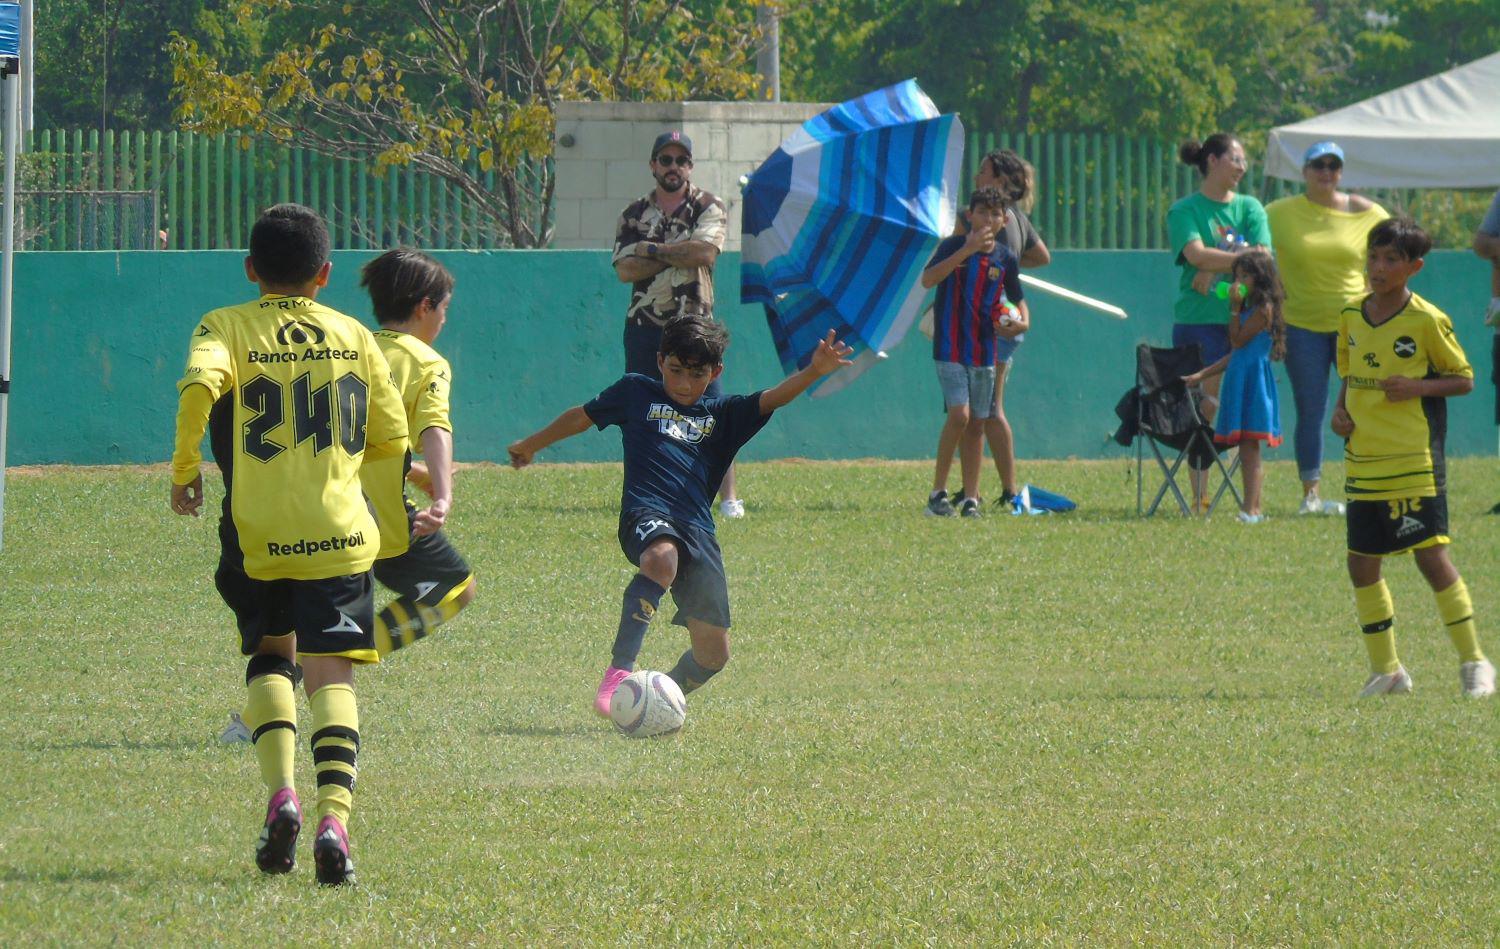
x=1325, y=164
x=667, y=161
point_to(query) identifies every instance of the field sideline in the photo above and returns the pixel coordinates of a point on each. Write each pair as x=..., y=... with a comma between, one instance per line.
x=1087, y=728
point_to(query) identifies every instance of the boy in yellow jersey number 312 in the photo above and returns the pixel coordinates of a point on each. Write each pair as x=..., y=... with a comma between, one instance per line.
x=1399, y=362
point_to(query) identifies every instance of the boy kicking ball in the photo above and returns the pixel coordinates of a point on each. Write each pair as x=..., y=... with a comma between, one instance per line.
x=678, y=444
x=1399, y=361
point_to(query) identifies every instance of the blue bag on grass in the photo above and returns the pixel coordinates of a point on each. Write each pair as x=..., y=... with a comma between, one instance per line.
x=1033, y=500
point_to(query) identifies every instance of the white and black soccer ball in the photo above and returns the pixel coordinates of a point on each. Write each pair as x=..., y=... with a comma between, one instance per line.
x=647, y=704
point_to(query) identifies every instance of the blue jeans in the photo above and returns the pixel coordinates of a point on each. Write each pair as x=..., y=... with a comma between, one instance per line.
x=1309, y=358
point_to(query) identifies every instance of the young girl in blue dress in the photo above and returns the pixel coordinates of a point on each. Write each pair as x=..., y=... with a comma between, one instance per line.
x=1248, y=412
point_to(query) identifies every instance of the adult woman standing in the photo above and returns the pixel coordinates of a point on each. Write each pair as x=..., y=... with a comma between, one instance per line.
x=1320, y=245
x=1207, y=230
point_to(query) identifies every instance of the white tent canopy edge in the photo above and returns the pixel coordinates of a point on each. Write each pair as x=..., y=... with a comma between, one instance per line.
x=1438, y=132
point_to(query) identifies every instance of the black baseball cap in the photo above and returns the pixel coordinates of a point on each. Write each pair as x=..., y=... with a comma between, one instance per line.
x=674, y=137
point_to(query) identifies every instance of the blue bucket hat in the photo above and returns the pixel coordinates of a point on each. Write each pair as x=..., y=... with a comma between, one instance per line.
x=1319, y=149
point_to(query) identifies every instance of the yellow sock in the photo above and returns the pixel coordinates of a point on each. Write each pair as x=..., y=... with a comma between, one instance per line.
x=404, y=621
x=271, y=715
x=335, y=747
x=1377, y=617
x=1457, y=612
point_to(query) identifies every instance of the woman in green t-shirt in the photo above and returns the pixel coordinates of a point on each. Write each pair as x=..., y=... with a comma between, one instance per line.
x=1320, y=245
x=1207, y=230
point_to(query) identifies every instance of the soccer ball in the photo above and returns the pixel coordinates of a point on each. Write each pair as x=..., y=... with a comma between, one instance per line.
x=647, y=704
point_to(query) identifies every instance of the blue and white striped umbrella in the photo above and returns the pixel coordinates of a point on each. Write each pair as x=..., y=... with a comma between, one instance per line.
x=840, y=222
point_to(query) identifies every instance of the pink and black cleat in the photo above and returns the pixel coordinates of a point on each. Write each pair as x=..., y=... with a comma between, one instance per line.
x=276, y=851
x=331, y=853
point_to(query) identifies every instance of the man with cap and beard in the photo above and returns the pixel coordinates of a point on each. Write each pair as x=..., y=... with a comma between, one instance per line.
x=665, y=247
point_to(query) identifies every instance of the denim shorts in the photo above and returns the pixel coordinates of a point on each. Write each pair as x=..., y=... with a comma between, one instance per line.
x=973, y=386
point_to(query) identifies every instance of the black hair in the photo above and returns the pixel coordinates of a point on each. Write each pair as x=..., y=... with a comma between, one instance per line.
x=1266, y=291
x=1197, y=154
x=695, y=340
x=1402, y=233
x=1005, y=163
x=288, y=245
x=399, y=280
x=991, y=198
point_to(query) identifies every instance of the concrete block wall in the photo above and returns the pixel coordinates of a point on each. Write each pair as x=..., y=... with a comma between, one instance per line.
x=603, y=149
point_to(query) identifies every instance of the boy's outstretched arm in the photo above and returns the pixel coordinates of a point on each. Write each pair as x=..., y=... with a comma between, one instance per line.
x=437, y=448
x=574, y=421
x=829, y=356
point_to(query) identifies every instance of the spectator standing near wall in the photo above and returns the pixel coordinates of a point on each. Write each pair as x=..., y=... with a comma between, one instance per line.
x=666, y=245
x=1487, y=246
x=1320, y=238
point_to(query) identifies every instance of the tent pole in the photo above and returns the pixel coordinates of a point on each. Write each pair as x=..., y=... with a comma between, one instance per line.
x=11, y=84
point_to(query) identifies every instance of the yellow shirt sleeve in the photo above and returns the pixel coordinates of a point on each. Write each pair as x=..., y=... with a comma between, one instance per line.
x=1444, y=353
x=194, y=403
x=431, y=408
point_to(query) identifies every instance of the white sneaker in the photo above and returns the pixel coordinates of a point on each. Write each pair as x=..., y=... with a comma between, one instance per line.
x=1388, y=683
x=1247, y=518
x=1311, y=504
x=1478, y=678
x=1333, y=508
x=237, y=732
x=732, y=507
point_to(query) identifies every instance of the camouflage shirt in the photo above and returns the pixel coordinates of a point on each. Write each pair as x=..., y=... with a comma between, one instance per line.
x=700, y=217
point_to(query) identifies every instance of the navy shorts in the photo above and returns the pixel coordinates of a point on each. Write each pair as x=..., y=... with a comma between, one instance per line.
x=1212, y=339
x=642, y=343
x=701, y=591
x=331, y=617
x=429, y=570
x=1395, y=526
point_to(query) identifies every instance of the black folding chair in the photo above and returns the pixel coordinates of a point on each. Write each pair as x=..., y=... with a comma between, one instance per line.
x=1168, y=415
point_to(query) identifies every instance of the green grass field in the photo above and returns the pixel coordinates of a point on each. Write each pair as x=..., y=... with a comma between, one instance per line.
x=1088, y=728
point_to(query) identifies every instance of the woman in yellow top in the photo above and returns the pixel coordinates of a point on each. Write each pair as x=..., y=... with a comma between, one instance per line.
x=1319, y=237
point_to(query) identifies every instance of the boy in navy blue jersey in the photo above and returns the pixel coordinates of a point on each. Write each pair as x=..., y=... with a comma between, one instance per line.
x=973, y=330
x=678, y=444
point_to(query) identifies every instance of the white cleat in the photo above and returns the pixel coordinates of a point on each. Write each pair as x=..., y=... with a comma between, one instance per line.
x=1478, y=678
x=236, y=732
x=732, y=508
x=1387, y=683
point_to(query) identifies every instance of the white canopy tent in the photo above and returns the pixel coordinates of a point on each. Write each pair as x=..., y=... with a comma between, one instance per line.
x=1440, y=132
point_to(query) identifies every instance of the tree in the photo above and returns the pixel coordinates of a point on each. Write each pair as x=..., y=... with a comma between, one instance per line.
x=462, y=88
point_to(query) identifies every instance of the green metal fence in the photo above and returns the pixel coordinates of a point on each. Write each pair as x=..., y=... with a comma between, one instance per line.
x=1098, y=191
x=1094, y=191
x=208, y=190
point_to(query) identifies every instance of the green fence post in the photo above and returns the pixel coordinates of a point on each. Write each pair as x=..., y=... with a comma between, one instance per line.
x=1127, y=193
x=107, y=162
x=283, y=174
x=1157, y=198
x=1054, y=187
x=1112, y=200
x=297, y=178
x=1065, y=211
x=426, y=235
x=376, y=183
x=205, y=218
x=219, y=182
x=346, y=206
x=156, y=183
x=362, y=214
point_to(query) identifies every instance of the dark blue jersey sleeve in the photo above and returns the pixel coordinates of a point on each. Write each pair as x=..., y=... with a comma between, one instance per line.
x=945, y=250
x=611, y=406
x=743, y=419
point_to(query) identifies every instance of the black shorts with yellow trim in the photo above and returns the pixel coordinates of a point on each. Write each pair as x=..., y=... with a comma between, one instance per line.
x=331, y=617
x=1396, y=525
x=428, y=572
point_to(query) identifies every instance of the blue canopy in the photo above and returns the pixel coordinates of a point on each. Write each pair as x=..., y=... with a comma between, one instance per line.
x=840, y=221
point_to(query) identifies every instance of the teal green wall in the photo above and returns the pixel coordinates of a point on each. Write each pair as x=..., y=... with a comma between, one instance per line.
x=99, y=340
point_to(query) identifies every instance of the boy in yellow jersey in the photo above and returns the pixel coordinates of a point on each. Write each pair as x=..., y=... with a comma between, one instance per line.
x=410, y=293
x=295, y=397
x=1399, y=361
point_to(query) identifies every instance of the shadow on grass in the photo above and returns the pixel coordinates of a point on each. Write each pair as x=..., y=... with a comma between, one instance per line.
x=124, y=744
x=91, y=874
x=544, y=731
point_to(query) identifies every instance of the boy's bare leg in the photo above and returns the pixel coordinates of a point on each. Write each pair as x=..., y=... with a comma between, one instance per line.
x=997, y=431
x=726, y=487
x=971, y=456
x=948, y=439
x=709, y=654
